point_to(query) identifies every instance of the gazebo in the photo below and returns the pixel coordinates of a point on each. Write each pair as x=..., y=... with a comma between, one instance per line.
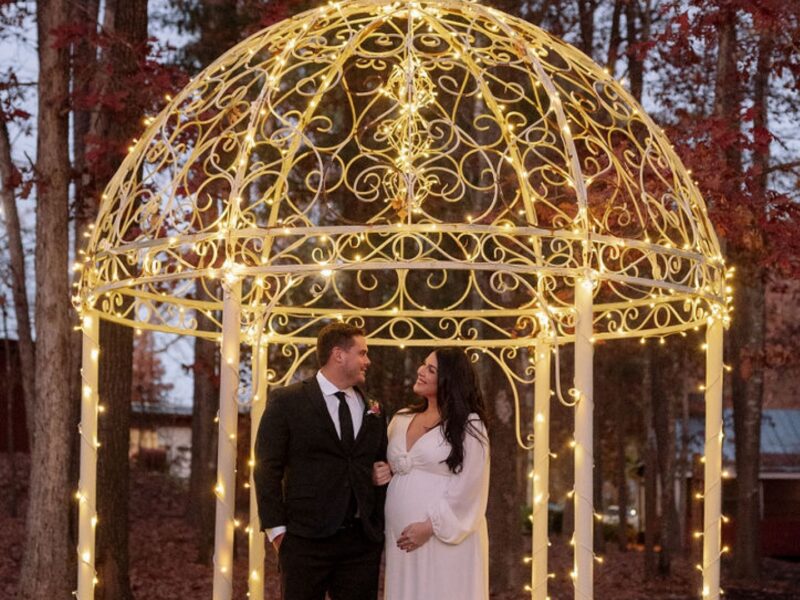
x=436, y=171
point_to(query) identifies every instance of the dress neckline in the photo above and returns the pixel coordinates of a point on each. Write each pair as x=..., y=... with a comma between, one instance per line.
x=405, y=433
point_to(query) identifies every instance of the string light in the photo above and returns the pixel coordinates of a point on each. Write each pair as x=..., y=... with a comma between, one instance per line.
x=408, y=93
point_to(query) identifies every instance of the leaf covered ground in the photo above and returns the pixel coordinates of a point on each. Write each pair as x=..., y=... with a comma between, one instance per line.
x=164, y=566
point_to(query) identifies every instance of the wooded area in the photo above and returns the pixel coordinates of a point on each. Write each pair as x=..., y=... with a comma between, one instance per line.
x=722, y=77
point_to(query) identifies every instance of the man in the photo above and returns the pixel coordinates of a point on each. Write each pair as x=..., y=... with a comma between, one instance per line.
x=314, y=453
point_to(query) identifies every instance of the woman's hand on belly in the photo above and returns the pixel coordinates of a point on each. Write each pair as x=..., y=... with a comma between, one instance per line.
x=415, y=535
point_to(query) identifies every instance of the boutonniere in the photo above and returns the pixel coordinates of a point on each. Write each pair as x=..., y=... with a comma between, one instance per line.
x=373, y=408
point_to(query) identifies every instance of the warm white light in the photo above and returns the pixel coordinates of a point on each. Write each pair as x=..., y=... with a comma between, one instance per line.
x=294, y=233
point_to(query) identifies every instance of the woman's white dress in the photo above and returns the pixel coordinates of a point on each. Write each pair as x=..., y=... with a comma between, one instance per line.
x=454, y=562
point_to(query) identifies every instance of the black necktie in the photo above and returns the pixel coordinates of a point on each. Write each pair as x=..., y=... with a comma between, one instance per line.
x=345, y=421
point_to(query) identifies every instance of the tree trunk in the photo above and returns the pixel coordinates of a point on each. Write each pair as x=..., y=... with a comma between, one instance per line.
x=16, y=255
x=727, y=88
x=696, y=519
x=597, y=480
x=126, y=22
x=637, y=20
x=84, y=65
x=621, y=471
x=114, y=382
x=665, y=373
x=48, y=563
x=650, y=471
x=614, y=38
x=586, y=10
x=84, y=74
x=505, y=498
x=747, y=334
x=635, y=62
x=204, y=442
x=761, y=154
x=13, y=484
x=747, y=342
x=684, y=464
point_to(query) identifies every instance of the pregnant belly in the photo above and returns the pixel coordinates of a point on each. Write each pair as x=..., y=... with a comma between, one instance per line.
x=409, y=497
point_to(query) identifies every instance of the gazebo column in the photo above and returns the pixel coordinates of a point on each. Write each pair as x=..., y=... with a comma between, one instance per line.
x=255, y=583
x=712, y=493
x=87, y=486
x=226, y=446
x=541, y=468
x=584, y=460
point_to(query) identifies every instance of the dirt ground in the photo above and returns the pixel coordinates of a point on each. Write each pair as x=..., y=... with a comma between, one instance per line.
x=163, y=553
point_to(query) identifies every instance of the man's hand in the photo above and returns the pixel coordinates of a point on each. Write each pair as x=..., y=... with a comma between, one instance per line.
x=276, y=543
x=381, y=473
x=415, y=535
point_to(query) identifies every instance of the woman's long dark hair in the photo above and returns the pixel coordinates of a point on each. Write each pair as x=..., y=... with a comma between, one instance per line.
x=458, y=395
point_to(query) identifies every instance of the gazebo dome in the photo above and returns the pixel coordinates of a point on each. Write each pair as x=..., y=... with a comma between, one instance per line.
x=437, y=170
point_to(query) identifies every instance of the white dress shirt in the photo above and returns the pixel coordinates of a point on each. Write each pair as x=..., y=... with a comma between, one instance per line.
x=354, y=403
x=356, y=406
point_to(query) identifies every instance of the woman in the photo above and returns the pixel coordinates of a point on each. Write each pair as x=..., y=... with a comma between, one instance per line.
x=438, y=474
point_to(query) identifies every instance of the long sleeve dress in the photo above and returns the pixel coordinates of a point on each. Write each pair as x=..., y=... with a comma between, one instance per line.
x=454, y=562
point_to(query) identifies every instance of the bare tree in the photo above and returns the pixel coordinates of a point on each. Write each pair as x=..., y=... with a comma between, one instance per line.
x=586, y=11
x=650, y=469
x=614, y=38
x=18, y=286
x=621, y=469
x=48, y=566
x=747, y=335
x=668, y=360
x=13, y=484
x=204, y=448
x=506, y=496
x=125, y=25
x=637, y=24
x=598, y=425
x=84, y=67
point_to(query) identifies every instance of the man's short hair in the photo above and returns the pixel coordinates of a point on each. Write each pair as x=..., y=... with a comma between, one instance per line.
x=335, y=335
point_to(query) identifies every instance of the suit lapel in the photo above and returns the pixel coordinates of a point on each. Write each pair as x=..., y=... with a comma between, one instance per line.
x=364, y=418
x=316, y=398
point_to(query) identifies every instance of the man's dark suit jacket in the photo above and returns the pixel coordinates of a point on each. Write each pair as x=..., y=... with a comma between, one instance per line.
x=302, y=473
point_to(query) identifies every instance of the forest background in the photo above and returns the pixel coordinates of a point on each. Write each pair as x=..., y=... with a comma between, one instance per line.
x=77, y=80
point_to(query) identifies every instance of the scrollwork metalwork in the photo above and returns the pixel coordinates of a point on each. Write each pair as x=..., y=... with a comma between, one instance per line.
x=438, y=170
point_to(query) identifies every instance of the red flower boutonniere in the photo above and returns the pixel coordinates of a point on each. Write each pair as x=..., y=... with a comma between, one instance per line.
x=373, y=408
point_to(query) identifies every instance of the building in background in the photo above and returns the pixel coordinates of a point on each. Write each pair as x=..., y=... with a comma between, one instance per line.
x=779, y=493
x=161, y=437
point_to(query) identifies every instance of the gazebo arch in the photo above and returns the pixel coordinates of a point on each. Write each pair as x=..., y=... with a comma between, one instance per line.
x=437, y=171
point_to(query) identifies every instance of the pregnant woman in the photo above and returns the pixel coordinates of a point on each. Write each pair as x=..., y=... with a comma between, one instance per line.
x=438, y=473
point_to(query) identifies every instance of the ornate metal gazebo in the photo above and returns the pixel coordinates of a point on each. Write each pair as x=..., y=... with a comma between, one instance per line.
x=437, y=171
